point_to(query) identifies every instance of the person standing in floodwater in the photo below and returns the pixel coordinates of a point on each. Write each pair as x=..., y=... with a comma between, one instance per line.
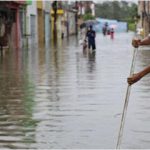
x=112, y=33
x=91, y=38
x=104, y=29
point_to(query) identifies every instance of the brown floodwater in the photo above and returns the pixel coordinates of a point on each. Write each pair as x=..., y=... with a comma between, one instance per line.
x=61, y=97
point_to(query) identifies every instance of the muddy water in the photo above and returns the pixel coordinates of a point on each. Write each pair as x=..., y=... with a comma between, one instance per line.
x=61, y=97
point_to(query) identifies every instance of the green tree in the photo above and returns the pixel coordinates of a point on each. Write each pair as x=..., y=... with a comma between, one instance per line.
x=120, y=11
x=88, y=16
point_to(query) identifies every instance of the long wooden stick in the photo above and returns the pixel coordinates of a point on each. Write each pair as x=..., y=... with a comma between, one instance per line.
x=126, y=102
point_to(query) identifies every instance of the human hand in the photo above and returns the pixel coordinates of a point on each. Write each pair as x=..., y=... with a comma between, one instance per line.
x=134, y=78
x=135, y=43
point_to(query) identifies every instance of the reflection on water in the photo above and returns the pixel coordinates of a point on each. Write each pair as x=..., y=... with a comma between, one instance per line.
x=91, y=64
x=63, y=97
x=16, y=102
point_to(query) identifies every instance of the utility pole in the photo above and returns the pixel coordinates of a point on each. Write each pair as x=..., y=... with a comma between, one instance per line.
x=67, y=19
x=54, y=6
x=76, y=17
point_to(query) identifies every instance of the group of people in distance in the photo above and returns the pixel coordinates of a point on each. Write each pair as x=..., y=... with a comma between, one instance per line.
x=108, y=31
x=91, y=34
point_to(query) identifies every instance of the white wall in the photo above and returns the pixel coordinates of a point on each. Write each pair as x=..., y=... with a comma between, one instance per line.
x=31, y=10
x=83, y=11
x=93, y=9
x=46, y=6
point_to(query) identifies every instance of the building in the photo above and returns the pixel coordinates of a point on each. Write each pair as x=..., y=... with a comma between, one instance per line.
x=24, y=23
x=66, y=22
x=47, y=7
x=11, y=23
x=86, y=7
x=30, y=30
x=144, y=13
x=40, y=22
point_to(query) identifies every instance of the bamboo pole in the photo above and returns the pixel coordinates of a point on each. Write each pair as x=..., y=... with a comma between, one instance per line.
x=120, y=135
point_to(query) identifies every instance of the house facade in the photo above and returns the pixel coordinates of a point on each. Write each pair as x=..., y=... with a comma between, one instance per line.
x=86, y=7
x=144, y=13
x=11, y=23
x=25, y=23
x=31, y=24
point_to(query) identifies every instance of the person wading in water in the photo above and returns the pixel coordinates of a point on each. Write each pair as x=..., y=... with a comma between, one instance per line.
x=91, y=38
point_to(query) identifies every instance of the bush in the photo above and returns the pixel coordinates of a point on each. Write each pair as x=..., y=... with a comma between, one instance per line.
x=88, y=16
x=132, y=26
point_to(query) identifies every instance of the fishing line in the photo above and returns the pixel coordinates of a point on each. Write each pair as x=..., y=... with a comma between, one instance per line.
x=126, y=102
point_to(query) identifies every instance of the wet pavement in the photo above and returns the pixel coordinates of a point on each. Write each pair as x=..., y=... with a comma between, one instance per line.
x=62, y=97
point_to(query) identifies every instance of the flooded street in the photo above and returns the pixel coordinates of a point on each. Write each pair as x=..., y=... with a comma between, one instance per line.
x=59, y=97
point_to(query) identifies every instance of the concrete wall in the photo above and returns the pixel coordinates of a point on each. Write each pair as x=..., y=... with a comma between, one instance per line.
x=38, y=22
x=72, y=23
x=41, y=28
x=31, y=11
x=47, y=7
x=41, y=23
x=93, y=9
x=144, y=13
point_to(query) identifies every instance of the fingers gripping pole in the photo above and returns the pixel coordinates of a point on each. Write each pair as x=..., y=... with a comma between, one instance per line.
x=126, y=102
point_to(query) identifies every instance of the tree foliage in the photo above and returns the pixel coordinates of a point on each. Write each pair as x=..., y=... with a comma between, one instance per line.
x=119, y=10
x=88, y=16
